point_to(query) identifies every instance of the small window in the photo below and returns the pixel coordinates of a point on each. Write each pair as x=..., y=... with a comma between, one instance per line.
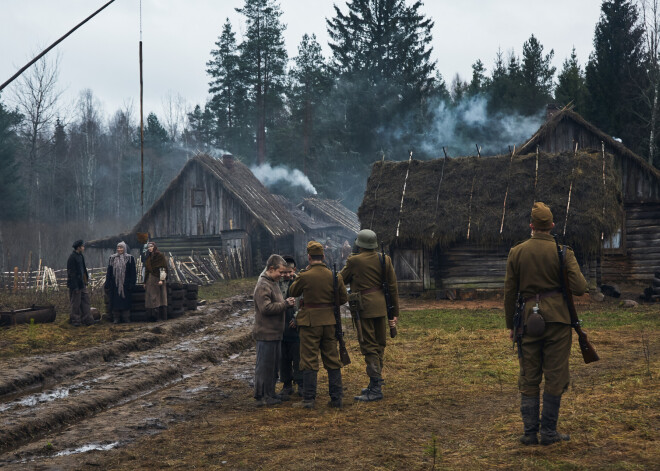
x=613, y=241
x=198, y=197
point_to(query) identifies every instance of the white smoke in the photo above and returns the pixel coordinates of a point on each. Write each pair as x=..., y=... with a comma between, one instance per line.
x=269, y=176
x=461, y=127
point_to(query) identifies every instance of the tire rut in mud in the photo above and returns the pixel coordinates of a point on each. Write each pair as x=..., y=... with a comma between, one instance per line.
x=89, y=382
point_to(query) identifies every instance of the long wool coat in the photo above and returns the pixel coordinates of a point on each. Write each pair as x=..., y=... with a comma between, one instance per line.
x=118, y=303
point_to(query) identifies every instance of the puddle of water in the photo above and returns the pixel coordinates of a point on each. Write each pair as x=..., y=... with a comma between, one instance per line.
x=47, y=396
x=197, y=389
x=86, y=448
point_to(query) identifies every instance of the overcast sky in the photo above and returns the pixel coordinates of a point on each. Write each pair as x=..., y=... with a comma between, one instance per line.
x=178, y=36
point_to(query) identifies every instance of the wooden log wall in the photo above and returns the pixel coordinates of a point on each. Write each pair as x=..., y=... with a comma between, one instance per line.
x=468, y=267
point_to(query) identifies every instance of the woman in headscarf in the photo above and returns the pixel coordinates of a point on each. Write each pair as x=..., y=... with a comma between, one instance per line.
x=155, y=298
x=119, y=282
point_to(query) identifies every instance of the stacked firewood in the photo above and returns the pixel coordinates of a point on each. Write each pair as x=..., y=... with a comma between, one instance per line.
x=652, y=293
x=208, y=268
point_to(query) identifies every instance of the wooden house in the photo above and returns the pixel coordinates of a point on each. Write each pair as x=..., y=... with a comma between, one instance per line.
x=452, y=229
x=217, y=203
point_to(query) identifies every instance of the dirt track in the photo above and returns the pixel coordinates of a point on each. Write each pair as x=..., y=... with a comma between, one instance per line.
x=54, y=407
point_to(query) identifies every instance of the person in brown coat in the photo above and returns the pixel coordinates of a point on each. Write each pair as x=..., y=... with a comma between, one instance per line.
x=155, y=289
x=364, y=273
x=533, y=271
x=316, y=325
x=270, y=308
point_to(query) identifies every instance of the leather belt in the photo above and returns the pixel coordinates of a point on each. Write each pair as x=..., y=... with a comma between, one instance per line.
x=315, y=306
x=370, y=290
x=540, y=296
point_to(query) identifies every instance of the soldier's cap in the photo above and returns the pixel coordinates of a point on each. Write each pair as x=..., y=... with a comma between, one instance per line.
x=314, y=248
x=541, y=216
x=366, y=239
x=77, y=244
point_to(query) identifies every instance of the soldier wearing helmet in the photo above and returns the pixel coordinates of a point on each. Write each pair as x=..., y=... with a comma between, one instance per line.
x=364, y=273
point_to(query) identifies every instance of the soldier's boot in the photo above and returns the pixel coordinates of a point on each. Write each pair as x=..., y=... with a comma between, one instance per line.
x=162, y=313
x=287, y=389
x=366, y=390
x=335, y=388
x=529, y=409
x=151, y=315
x=309, y=390
x=549, y=417
x=374, y=393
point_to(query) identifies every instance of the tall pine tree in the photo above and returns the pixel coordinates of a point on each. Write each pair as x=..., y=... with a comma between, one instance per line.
x=11, y=191
x=614, y=72
x=536, y=74
x=571, y=86
x=263, y=60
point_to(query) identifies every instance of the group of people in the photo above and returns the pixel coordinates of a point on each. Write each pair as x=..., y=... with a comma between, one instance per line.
x=120, y=280
x=295, y=322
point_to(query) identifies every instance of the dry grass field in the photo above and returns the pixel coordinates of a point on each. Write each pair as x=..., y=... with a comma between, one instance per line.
x=451, y=401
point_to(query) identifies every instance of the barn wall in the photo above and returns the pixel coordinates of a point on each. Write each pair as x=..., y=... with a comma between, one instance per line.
x=637, y=184
x=641, y=255
x=468, y=267
x=175, y=213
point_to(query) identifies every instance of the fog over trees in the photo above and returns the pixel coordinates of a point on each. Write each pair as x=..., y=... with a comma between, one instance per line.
x=74, y=171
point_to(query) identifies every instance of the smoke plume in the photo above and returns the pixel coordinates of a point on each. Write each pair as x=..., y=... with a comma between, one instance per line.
x=271, y=176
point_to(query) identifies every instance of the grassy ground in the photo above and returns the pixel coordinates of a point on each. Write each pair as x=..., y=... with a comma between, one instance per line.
x=451, y=403
x=61, y=336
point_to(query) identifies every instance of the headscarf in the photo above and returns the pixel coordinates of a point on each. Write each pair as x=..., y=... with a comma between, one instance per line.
x=118, y=262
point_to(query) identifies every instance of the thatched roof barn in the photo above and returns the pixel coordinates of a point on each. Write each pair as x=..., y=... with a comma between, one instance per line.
x=454, y=226
x=217, y=203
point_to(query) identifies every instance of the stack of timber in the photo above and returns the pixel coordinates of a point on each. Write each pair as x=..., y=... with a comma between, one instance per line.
x=180, y=297
x=206, y=268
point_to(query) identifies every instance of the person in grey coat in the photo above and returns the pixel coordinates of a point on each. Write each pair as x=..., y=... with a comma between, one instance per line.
x=270, y=308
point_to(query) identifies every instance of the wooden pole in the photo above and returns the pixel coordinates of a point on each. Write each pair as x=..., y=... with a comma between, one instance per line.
x=403, y=194
x=506, y=194
x=15, y=279
x=536, y=172
x=437, y=195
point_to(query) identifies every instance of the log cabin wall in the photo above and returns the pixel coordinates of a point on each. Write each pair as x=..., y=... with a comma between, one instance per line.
x=640, y=255
x=197, y=205
x=468, y=267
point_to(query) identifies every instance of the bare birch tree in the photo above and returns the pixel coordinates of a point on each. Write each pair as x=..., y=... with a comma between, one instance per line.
x=651, y=20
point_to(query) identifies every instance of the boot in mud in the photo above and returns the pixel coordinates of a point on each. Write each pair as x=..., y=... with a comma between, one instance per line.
x=374, y=391
x=549, y=417
x=529, y=409
x=335, y=388
x=162, y=313
x=309, y=390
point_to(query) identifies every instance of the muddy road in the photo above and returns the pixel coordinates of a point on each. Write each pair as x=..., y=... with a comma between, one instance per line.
x=55, y=407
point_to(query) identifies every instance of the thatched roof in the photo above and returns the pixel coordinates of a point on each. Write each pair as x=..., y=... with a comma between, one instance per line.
x=438, y=205
x=612, y=145
x=237, y=180
x=332, y=210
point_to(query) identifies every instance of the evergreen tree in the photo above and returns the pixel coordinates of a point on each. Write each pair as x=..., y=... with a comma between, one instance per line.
x=499, y=87
x=614, y=72
x=228, y=91
x=479, y=79
x=200, y=131
x=310, y=84
x=381, y=54
x=536, y=75
x=571, y=86
x=11, y=190
x=263, y=61
x=155, y=135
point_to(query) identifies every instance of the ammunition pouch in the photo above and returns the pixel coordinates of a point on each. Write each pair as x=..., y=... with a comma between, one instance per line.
x=355, y=303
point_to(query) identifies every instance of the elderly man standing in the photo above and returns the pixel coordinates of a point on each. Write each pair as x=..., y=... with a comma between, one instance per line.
x=366, y=272
x=533, y=271
x=270, y=310
x=316, y=324
x=76, y=281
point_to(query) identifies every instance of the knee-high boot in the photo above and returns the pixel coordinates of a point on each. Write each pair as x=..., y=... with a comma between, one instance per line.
x=549, y=417
x=529, y=409
x=335, y=388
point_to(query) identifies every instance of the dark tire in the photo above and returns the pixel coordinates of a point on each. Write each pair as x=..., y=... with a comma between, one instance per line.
x=191, y=296
x=656, y=282
x=138, y=297
x=138, y=289
x=176, y=303
x=190, y=306
x=192, y=287
x=178, y=294
x=174, y=285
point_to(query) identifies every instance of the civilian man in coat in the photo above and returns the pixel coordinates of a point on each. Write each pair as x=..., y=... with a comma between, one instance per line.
x=76, y=281
x=533, y=271
x=364, y=273
x=270, y=309
x=316, y=326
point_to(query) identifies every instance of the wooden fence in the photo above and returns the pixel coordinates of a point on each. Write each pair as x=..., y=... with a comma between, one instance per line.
x=198, y=268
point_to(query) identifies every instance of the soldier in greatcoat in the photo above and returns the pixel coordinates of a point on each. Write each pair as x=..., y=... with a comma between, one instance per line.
x=316, y=325
x=533, y=271
x=364, y=273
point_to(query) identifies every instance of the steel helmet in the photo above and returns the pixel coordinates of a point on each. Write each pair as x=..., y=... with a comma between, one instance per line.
x=366, y=239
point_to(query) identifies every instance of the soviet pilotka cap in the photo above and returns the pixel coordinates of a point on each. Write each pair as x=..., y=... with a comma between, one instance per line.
x=541, y=216
x=314, y=248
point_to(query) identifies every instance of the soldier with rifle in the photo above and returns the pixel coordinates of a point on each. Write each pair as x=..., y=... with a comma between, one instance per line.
x=538, y=319
x=374, y=305
x=317, y=326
